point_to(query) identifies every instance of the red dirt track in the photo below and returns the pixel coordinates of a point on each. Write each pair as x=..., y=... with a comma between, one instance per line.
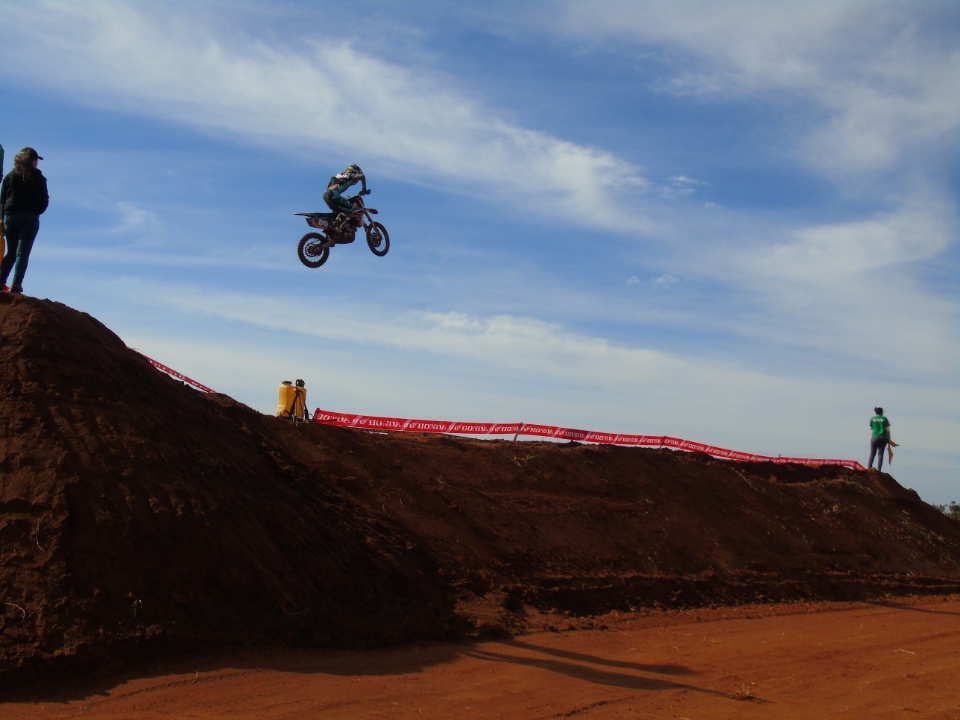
x=829, y=660
x=144, y=520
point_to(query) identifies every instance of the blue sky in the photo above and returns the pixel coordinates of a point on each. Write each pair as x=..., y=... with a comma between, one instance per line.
x=730, y=222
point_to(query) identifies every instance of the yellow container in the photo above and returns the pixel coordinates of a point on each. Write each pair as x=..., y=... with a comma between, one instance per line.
x=286, y=399
x=292, y=400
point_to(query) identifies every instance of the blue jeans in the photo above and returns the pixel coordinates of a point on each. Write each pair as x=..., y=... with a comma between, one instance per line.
x=20, y=230
x=877, y=444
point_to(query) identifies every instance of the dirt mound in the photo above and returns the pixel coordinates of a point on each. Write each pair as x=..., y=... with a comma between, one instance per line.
x=142, y=517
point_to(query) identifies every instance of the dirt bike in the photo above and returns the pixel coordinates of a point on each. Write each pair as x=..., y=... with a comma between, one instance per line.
x=341, y=229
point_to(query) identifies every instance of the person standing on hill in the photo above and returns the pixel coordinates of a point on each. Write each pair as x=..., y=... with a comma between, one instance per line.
x=23, y=199
x=879, y=437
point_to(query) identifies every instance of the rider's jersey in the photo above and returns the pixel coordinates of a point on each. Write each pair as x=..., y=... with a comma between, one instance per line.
x=346, y=179
x=880, y=426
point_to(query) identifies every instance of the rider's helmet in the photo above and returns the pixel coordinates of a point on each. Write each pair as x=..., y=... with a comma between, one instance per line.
x=355, y=169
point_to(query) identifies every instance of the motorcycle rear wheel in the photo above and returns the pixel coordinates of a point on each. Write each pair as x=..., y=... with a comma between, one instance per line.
x=378, y=240
x=311, y=251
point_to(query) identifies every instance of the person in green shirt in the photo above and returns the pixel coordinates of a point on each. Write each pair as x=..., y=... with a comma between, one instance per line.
x=879, y=437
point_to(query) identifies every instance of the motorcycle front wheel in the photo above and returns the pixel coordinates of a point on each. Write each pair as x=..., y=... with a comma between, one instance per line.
x=311, y=250
x=377, y=239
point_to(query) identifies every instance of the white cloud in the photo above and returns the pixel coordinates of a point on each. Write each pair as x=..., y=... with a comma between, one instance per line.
x=134, y=219
x=680, y=186
x=684, y=181
x=822, y=254
x=874, y=83
x=856, y=290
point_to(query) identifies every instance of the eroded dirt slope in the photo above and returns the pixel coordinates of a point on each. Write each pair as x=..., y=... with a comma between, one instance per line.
x=139, y=516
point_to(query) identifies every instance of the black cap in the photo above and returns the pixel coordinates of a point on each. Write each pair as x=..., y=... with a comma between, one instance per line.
x=31, y=153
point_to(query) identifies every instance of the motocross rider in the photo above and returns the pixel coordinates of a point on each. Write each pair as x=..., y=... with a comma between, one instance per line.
x=333, y=195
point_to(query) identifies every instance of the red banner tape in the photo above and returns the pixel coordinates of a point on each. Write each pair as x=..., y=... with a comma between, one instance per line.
x=373, y=422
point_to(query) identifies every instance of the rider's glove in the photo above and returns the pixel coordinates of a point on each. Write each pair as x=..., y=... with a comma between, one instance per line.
x=364, y=192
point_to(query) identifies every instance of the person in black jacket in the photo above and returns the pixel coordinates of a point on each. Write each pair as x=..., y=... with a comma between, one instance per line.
x=23, y=199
